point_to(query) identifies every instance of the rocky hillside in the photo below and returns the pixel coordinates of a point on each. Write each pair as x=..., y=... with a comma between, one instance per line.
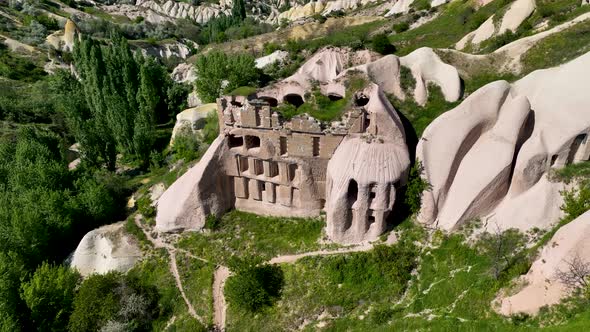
x=459, y=127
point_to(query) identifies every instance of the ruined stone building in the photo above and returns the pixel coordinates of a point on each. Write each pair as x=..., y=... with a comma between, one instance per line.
x=268, y=165
x=349, y=168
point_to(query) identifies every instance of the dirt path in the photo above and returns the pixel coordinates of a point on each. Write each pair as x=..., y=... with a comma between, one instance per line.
x=219, y=306
x=293, y=258
x=159, y=243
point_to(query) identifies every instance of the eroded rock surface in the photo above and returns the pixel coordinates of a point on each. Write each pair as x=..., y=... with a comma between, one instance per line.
x=489, y=157
x=542, y=283
x=105, y=249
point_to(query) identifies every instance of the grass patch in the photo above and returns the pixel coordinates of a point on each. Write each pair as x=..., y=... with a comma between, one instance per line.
x=558, y=48
x=197, y=280
x=244, y=234
x=419, y=116
x=571, y=172
x=243, y=91
x=154, y=271
x=322, y=107
x=456, y=20
x=338, y=286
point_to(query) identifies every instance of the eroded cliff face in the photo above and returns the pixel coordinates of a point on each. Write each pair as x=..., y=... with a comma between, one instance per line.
x=489, y=157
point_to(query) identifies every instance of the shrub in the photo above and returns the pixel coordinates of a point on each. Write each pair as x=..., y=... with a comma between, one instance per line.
x=145, y=207
x=416, y=186
x=505, y=250
x=185, y=146
x=211, y=129
x=254, y=287
x=114, y=300
x=407, y=80
x=381, y=44
x=576, y=201
x=401, y=27
x=212, y=222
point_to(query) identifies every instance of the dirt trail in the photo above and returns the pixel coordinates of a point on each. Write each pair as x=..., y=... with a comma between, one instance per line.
x=159, y=243
x=219, y=306
x=293, y=258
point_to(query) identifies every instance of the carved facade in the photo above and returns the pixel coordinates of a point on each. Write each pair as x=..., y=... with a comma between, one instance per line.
x=300, y=167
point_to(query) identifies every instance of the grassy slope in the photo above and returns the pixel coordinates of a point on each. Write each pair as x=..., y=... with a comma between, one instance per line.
x=558, y=48
x=455, y=21
x=245, y=234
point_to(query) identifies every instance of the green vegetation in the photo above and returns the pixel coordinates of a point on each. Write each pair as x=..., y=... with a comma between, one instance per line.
x=381, y=44
x=122, y=95
x=355, y=37
x=211, y=129
x=558, y=48
x=243, y=234
x=197, y=281
x=49, y=295
x=422, y=116
x=322, y=107
x=416, y=186
x=455, y=21
x=557, y=11
x=215, y=67
x=577, y=171
x=243, y=91
x=253, y=286
x=332, y=286
x=114, y=301
x=15, y=67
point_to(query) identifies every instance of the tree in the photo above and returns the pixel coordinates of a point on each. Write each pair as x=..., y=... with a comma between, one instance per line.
x=148, y=98
x=123, y=95
x=239, y=10
x=242, y=71
x=211, y=69
x=215, y=67
x=95, y=303
x=112, y=301
x=502, y=247
x=49, y=295
x=12, y=269
x=576, y=273
x=576, y=201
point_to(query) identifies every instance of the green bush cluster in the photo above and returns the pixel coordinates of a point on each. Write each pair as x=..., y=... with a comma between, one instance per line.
x=254, y=286
x=238, y=70
x=114, y=302
x=416, y=187
x=321, y=107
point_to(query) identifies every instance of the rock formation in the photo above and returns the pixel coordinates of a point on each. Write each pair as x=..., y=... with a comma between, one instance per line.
x=490, y=156
x=266, y=164
x=192, y=119
x=275, y=57
x=427, y=67
x=518, y=11
x=321, y=7
x=106, y=249
x=403, y=6
x=542, y=285
x=184, y=73
x=64, y=40
x=200, y=14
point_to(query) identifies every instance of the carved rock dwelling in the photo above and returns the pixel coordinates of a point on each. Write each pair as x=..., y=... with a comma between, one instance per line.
x=267, y=164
